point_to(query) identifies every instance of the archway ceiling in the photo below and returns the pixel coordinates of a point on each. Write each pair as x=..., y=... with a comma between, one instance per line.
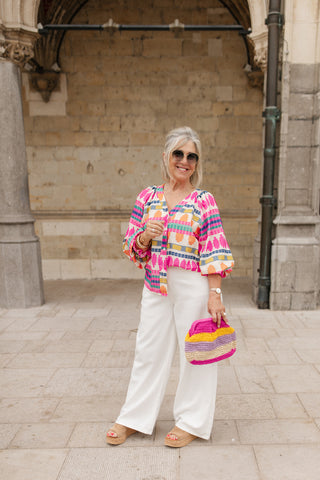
x=239, y=9
x=56, y=12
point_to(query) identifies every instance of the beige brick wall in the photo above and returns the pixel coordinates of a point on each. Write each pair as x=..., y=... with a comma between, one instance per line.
x=123, y=92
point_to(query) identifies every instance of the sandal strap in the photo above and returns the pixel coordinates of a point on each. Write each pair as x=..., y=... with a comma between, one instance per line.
x=179, y=433
x=120, y=430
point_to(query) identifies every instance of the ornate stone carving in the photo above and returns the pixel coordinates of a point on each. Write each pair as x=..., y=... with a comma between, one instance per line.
x=261, y=59
x=260, y=43
x=256, y=79
x=16, y=52
x=258, y=48
x=45, y=83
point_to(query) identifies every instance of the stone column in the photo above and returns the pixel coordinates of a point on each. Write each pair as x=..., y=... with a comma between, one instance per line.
x=21, y=283
x=295, y=268
x=295, y=251
x=295, y=261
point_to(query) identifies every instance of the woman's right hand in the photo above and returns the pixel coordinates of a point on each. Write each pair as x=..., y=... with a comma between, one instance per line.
x=154, y=228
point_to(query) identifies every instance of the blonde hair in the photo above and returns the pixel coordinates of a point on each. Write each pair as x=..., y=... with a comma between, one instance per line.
x=175, y=139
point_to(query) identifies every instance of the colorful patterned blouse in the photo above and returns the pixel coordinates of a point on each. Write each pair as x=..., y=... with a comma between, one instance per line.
x=193, y=237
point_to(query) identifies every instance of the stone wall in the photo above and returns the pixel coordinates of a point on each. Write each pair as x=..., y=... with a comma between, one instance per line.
x=99, y=140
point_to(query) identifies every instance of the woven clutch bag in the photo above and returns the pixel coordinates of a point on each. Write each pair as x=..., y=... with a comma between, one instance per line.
x=205, y=343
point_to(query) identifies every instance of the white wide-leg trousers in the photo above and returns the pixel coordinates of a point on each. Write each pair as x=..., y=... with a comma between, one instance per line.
x=164, y=321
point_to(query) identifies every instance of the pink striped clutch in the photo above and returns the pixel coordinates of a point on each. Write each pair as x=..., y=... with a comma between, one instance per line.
x=205, y=343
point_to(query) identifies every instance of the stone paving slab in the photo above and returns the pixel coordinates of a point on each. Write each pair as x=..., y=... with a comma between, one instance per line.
x=297, y=378
x=293, y=431
x=7, y=433
x=89, y=435
x=311, y=403
x=31, y=464
x=87, y=409
x=24, y=382
x=25, y=410
x=86, y=382
x=46, y=360
x=43, y=435
x=244, y=406
x=221, y=462
x=289, y=462
x=64, y=371
x=121, y=463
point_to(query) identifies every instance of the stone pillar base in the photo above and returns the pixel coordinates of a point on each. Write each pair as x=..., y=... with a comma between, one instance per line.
x=294, y=274
x=21, y=283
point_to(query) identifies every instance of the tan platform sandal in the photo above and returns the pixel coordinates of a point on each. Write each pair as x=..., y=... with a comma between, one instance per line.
x=178, y=438
x=118, y=434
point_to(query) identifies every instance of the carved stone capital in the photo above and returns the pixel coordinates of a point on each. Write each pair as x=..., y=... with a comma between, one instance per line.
x=260, y=44
x=16, y=52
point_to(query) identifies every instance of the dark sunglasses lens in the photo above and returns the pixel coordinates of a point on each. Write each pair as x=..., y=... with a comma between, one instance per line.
x=178, y=154
x=192, y=157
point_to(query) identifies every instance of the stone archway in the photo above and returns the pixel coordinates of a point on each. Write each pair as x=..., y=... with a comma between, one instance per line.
x=249, y=13
x=18, y=19
x=18, y=29
x=116, y=132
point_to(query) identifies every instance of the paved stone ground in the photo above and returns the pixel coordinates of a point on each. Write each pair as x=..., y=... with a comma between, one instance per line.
x=64, y=372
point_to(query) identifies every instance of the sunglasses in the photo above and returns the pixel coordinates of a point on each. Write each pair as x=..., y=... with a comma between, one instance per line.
x=179, y=155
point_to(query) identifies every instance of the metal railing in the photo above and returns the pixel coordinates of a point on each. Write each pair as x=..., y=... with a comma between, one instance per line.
x=176, y=26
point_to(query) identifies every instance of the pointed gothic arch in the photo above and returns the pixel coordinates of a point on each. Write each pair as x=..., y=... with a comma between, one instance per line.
x=19, y=19
x=26, y=14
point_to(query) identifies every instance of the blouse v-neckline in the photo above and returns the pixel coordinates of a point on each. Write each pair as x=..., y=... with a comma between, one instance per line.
x=182, y=202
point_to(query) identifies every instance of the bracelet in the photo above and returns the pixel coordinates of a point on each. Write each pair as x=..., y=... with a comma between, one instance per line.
x=141, y=245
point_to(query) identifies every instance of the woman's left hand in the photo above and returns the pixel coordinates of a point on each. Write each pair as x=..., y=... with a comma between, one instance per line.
x=216, y=308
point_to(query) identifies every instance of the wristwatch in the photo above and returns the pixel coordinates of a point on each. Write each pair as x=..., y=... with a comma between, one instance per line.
x=217, y=290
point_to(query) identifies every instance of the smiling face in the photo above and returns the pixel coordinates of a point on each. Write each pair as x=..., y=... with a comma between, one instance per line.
x=182, y=170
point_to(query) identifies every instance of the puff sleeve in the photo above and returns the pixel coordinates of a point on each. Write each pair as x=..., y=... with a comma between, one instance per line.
x=136, y=226
x=214, y=251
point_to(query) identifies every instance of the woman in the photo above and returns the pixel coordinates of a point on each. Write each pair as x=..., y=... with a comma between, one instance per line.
x=175, y=233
